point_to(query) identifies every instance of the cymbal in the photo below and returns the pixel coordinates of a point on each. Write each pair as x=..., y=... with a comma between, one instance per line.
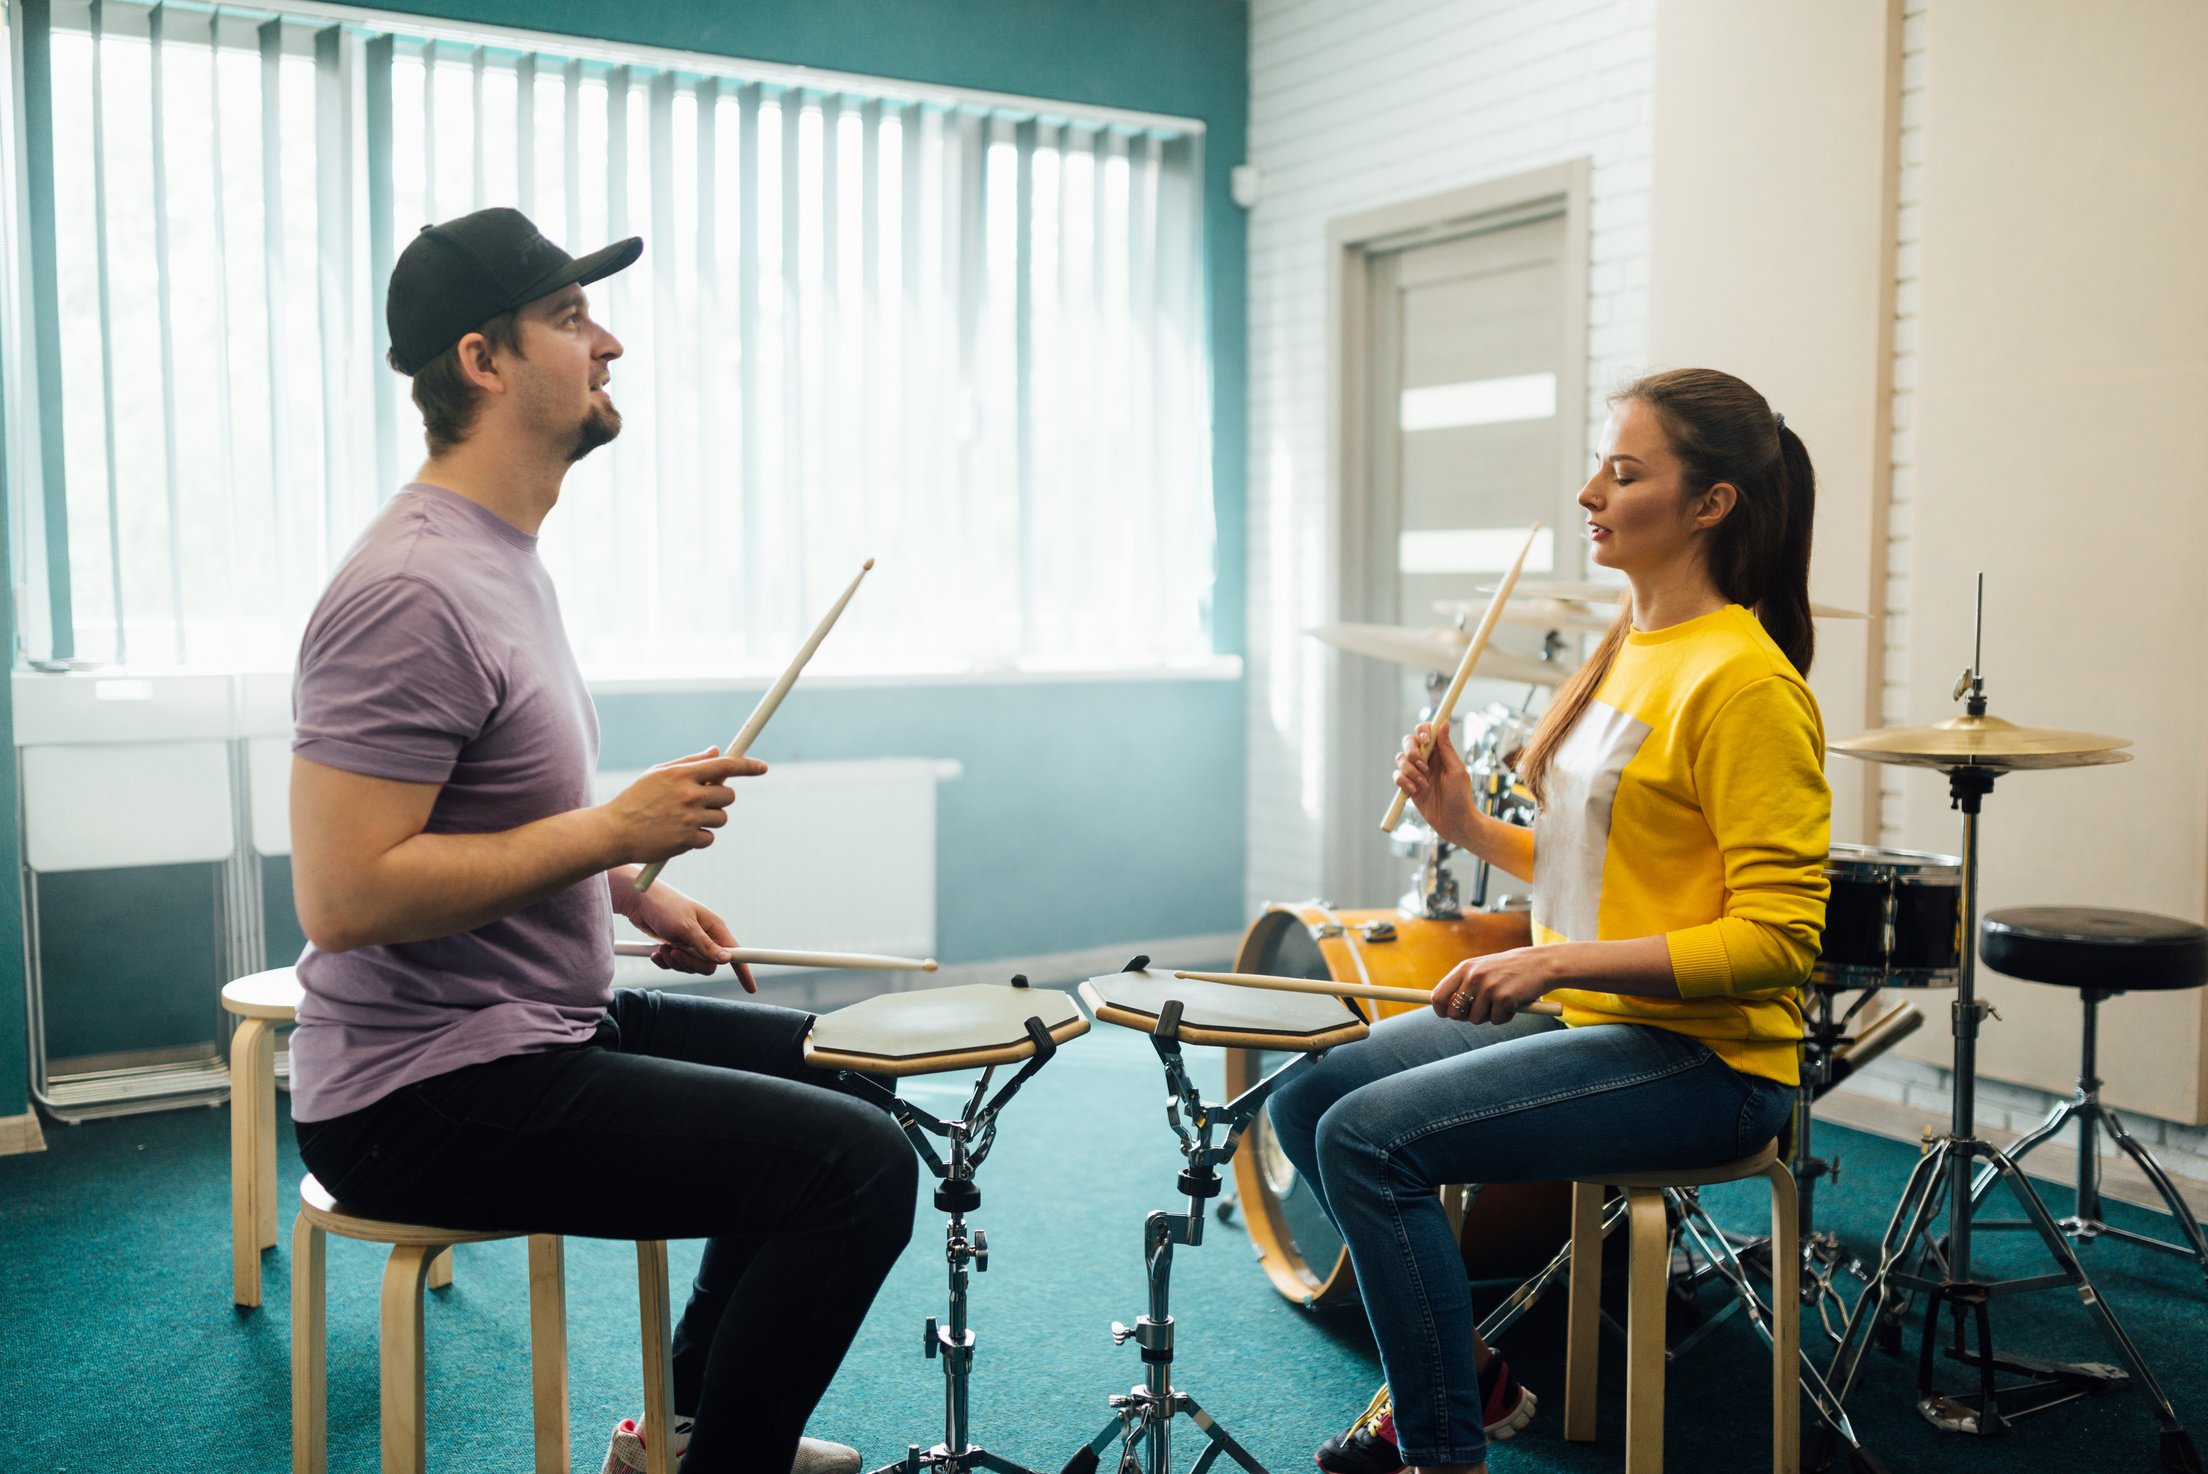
x=1984, y=742
x=1539, y=614
x=1436, y=650
x=1587, y=592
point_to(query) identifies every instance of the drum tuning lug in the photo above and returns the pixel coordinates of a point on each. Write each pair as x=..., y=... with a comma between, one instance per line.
x=1378, y=931
x=981, y=1252
x=932, y=1336
x=1121, y=1333
x=1327, y=930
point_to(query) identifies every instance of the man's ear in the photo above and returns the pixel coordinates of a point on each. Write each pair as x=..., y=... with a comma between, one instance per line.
x=1717, y=504
x=479, y=364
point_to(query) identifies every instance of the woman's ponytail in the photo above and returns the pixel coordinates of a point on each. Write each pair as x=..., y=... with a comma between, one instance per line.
x=1784, y=604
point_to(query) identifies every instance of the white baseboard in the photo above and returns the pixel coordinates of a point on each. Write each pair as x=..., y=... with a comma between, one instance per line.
x=20, y=1134
x=817, y=992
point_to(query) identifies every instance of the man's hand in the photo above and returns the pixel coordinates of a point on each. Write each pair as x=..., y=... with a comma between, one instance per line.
x=676, y=806
x=692, y=939
x=1491, y=989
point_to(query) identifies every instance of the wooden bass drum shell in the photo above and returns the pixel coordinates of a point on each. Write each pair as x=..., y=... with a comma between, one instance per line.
x=1512, y=1229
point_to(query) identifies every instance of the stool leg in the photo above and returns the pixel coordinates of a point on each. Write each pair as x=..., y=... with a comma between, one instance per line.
x=405, y=1436
x=2187, y=1224
x=1786, y=1321
x=659, y=1356
x=310, y=1329
x=1644, y=1332
x=245, y=1184
x=264, y=1137
x=440, y=1270
x=548, y=1350
x=1583, y=1314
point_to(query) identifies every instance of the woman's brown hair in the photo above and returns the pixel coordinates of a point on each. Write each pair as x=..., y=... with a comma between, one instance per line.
x=1758, y=556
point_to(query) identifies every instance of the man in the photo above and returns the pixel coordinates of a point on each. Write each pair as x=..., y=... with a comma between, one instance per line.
x=461, y=1058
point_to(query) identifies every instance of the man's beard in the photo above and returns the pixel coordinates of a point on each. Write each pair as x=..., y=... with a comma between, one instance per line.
x=598, y=427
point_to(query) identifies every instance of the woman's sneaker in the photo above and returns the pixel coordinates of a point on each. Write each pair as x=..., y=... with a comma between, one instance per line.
x=625, y=1455
x=1367, y=1446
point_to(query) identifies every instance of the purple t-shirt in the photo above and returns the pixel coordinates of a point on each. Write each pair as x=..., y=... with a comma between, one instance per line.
x=437, y=656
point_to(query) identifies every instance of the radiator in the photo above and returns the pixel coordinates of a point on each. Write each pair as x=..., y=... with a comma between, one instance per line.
x=825, y=856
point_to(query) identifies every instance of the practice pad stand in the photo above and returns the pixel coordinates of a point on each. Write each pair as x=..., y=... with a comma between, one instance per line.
x=1946, y=1168
x=971, y=1133
x=1142, y=1420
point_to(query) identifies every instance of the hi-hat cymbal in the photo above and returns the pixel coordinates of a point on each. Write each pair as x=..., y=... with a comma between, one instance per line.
x=1539, y=614
x=1984, y=742
x=1585, y=592
x=1436, y=650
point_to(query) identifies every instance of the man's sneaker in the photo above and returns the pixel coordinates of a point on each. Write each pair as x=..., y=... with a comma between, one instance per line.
x=1368, y=1445
x=625, y=1455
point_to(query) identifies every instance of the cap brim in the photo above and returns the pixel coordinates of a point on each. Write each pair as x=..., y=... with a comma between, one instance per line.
x=584, y=270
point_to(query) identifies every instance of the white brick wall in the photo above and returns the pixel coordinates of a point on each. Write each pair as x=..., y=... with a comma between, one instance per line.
x=1908, y=235
x=1353, y=107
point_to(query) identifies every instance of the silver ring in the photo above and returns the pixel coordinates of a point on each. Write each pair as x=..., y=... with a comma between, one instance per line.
x=1460, y=1003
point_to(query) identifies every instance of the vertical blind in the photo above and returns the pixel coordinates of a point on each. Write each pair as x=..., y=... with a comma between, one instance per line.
x=965, y=338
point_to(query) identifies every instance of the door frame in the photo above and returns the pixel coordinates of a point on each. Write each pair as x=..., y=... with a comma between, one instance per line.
x=1355, y=762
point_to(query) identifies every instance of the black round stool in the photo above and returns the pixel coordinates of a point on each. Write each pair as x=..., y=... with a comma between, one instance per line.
x=2101, y=953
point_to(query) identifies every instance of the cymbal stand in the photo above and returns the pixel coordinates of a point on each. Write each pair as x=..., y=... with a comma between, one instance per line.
x=1946, y=1170
x=1142, y=1419
x=971, y=1133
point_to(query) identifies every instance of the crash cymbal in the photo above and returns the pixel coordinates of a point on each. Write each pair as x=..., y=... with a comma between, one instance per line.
x=1582, y=592
x=1436, y=650
x=1984, y=742
x=1538, y=614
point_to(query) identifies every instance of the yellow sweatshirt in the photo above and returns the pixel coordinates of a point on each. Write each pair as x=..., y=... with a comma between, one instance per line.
x=1689, y=801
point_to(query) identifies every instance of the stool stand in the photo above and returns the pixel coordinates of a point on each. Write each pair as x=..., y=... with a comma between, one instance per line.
x=2093, y=1118
x=970, y=1134
x=1142, y=1419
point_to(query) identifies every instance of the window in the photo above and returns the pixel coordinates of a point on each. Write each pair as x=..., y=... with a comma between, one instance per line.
x=962, y=334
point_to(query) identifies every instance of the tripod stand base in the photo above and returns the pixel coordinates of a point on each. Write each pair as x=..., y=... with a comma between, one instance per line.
x=1140, y=1416
x=917, y=1460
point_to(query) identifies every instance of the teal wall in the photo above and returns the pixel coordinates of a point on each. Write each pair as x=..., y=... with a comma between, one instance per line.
x=1089, y=812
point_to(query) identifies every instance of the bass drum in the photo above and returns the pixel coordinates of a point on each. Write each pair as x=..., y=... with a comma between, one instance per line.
x=1511, y=1229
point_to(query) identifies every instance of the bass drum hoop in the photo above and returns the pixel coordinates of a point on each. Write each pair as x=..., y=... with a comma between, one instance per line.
x=1337, y=936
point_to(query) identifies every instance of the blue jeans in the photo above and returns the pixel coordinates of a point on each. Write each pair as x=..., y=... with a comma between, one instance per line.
x=1377, y=1127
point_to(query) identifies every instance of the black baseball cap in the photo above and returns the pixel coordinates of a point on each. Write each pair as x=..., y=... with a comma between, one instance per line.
x=454, y=277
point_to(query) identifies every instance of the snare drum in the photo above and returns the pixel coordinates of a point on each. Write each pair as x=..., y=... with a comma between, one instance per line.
x=1895, y=919
x=1511, y=1227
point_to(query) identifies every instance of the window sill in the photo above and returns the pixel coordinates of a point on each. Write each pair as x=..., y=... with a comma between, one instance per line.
x=1214, y=668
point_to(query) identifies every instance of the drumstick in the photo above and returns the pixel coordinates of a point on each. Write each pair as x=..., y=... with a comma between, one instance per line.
x=770, y=957
x=741, y=742
x=1342, y=990
x=1472, y=654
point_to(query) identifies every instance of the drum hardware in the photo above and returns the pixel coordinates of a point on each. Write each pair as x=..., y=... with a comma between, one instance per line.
x=1974, y=750
x=970, y=1135
x=1208, y=1133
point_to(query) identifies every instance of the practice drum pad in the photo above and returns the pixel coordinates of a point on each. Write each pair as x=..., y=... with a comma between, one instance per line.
x=934, y=1030
x=1218, y=1013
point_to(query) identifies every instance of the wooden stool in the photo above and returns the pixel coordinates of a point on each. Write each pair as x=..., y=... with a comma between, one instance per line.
x=404, y=1375
x=262, y=1002
x=1650, y=1277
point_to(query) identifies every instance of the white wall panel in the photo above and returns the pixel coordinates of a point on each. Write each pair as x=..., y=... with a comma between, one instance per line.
x=1353, y=108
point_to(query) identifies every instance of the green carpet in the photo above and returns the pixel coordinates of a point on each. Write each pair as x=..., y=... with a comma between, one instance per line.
x=120, y=1351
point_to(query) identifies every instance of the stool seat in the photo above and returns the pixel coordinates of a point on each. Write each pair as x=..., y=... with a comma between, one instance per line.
x=274, y=994
x=316, y=1204
x=2095, y=947
x=1754, y=1166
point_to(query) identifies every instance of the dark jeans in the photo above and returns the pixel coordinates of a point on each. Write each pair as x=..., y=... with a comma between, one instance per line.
x=681, y=1118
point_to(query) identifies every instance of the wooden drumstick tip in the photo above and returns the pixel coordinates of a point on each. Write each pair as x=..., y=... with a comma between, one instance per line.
x=867, y=566
x=928, y=965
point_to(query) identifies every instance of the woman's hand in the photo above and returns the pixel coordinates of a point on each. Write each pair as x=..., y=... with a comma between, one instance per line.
x=691, y=938
x=1435, y=779
x=1491, y=989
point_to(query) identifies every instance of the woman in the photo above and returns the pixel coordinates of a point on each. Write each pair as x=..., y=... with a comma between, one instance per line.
x=1679, y=896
